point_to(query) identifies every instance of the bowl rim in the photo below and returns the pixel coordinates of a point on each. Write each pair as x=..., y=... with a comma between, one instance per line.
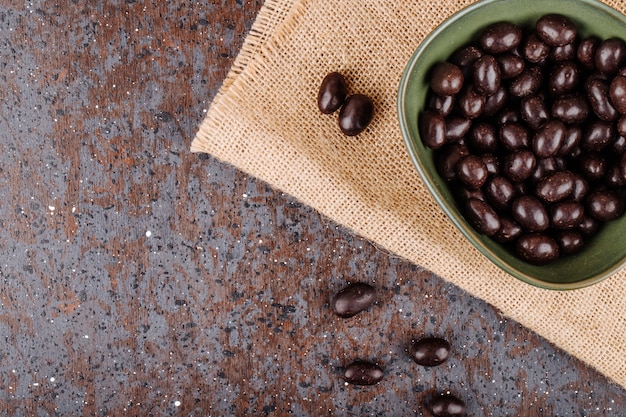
x=459, y=222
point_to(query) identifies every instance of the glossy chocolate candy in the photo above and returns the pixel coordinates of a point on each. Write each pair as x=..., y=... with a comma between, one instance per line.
x=537, y=248
x=332, y=93
x=430, y=351
x=363, y=373
x=447, y=405
x=355, y=114
x=353, y=299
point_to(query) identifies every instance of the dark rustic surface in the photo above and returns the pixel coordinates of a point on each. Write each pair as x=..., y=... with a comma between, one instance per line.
x=140, y=279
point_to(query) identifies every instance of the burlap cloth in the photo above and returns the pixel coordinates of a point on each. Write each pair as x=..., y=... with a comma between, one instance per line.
x=265, y=122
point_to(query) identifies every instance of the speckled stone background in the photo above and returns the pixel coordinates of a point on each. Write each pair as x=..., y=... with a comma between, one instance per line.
x=139, y=279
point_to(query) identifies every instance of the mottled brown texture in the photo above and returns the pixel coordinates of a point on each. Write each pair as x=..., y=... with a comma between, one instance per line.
x=223, y=308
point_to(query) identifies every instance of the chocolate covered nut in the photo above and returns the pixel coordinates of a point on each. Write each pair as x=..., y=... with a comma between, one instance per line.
x=430, y=351
x=446, y=79
x=483, y=138
x=519, y=165
x=457, y=127
x=432, y=129
x=556, y=186
x=527, y=83
x=471, y=102
x=482, y=216
x=537, y=248
x=598, y=96
x=535, y=50
x=509, y=231
x=363, y=373
x=556, y=29
x=530, y=213
x=355, y=114
x=570, y=109
x=604, y=205
x=500, y=37
x=610, y=55
x=564, y=78
x=472, y=171
x=353, y=299
x=442, y=105
x=592, y=165
x=511, y=65
x=547, y=141
x=569, y=241
x=500, y=192
x=514, y=136
x=448, y=157
x=447, y=405
x=586, y=53
x=534, y=111
x=597, y=135
x=486, y=75
x=617, y=92
x=332, y=93
x=566, y=214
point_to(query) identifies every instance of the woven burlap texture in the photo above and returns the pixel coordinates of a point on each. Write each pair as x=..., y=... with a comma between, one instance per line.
x=265, y=122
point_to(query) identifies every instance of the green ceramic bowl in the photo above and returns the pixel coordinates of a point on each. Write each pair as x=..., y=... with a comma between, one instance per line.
x=606, y=252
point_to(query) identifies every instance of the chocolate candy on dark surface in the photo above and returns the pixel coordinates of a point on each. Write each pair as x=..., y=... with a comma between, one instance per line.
x=430, y=351
x=353, y=299
x=447, y=405
x=363, y=373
